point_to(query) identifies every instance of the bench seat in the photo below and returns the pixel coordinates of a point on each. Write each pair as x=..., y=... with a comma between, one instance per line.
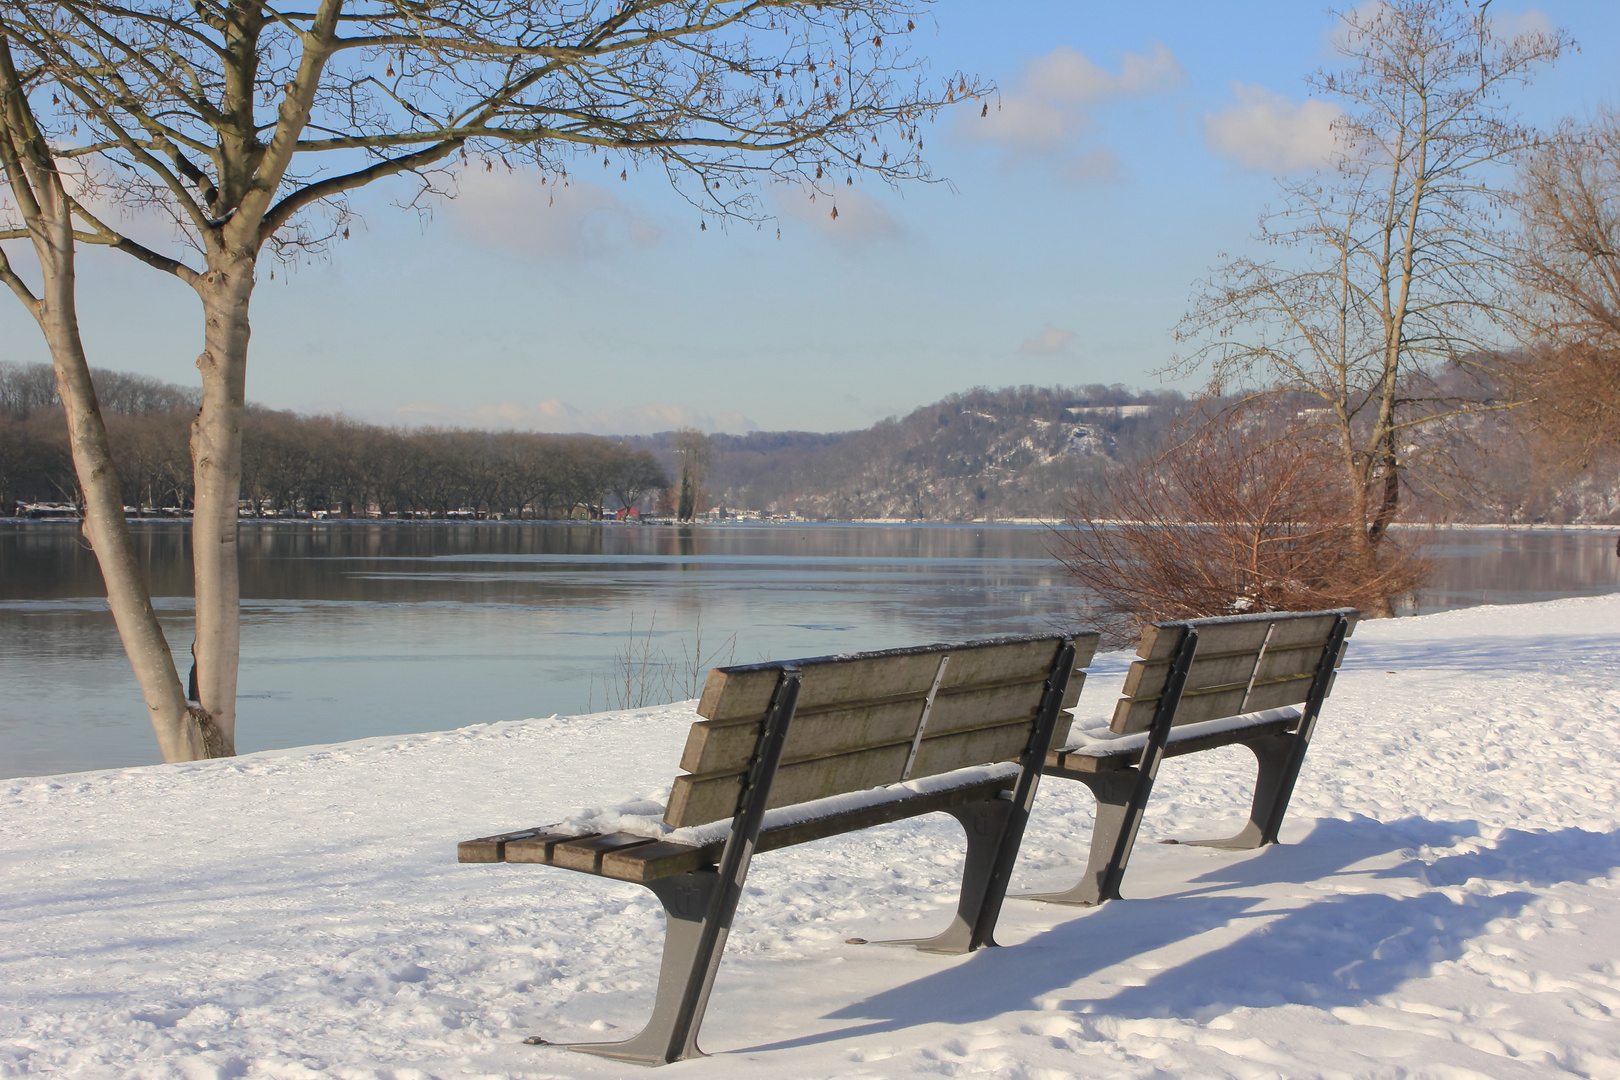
x=1105, y=752
x=640, y=859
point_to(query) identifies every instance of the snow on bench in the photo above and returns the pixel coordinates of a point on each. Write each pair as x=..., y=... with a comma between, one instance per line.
x=1200, y=684
x=794, y=751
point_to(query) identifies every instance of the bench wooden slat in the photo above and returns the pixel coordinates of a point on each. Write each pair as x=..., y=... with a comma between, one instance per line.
x=1159, y=642
x=961, y=749
x=492, y=849
x=536, y=849
x=1286, y=662
x=716, y=747
x=697, y=800
x=1146, y=677
x=586, y=852
x=1238, y=635
x=744, y=692
x=648, y=862
x=1218, y=682
x=1136, y=714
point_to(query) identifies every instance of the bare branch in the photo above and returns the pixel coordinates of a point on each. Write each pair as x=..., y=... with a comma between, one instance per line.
x=16, y=284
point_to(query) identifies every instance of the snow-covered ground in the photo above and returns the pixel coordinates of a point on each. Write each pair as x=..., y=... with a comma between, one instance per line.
x=1445, y=904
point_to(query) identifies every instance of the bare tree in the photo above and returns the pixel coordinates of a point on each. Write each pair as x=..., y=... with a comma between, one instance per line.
x=636, y=474
x=1570, y=262
x=692, y=447
x=247, y=125
x=1392, y=264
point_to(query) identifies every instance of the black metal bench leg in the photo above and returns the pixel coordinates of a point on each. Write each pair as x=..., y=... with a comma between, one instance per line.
x=1113, y=793
x=1281, y=756
x=996, y=829
x=986, y=827
x=700, y=905
x=1272, y=788
x=671, y=1035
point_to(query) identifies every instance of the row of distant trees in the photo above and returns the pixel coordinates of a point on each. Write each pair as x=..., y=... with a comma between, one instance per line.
x=26, y=389
x=325, y=463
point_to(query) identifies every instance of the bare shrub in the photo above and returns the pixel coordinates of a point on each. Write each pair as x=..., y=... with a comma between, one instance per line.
x=1237, y=516
x=641, y=674
x=644, y=674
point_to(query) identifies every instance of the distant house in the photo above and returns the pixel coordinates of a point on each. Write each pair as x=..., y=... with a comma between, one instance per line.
x=628, y=513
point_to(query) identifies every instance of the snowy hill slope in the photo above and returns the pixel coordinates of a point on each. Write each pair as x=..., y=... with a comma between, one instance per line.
x=1445, y=904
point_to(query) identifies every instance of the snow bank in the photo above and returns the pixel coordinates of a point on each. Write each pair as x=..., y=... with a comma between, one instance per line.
x=1444, y=905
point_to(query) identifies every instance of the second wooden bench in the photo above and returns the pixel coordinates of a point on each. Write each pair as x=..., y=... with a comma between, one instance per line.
x=1250, y=680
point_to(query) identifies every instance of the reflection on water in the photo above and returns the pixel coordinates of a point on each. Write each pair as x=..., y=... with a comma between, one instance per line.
x=351, y=630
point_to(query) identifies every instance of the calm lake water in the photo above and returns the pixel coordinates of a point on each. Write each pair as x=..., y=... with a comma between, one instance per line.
x=353, y=630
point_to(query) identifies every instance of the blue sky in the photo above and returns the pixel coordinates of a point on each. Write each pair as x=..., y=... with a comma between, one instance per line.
x=1136, y=142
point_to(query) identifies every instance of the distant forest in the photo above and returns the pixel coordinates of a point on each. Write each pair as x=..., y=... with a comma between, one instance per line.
x=313, y=464
x=1018, y=452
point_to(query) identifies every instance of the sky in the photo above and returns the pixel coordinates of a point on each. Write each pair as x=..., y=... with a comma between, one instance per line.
x=1133, y=145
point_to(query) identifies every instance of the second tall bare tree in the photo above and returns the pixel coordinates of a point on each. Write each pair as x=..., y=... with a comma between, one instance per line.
x=1392, y=264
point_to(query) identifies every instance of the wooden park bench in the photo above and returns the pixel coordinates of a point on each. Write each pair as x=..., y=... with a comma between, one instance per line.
x=1200, y=684
x=798, y=750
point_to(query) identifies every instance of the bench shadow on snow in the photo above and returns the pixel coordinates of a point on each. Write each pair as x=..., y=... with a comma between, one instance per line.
x=1340, y=950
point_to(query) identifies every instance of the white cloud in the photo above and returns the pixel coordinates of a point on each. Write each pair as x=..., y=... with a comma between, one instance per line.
x=1049, y=342
x=560, y=416
x=1025, y=124
x=1269, y=133
x=861, y=221
x=1066, y=74
x=1507, y=25
x=523, y=212
x=1052, y=109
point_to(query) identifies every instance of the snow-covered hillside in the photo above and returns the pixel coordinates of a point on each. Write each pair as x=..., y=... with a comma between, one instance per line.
x=1445, y=904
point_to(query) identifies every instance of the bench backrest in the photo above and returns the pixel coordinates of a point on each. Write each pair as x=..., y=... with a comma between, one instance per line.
x=1244, y=663
x=869, y=719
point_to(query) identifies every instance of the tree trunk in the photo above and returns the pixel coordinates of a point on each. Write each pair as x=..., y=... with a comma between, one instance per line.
x=216, y=455
x=1368, y=533
x=183, y=734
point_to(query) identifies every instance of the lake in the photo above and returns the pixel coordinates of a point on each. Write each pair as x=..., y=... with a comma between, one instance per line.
x=353, y=629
